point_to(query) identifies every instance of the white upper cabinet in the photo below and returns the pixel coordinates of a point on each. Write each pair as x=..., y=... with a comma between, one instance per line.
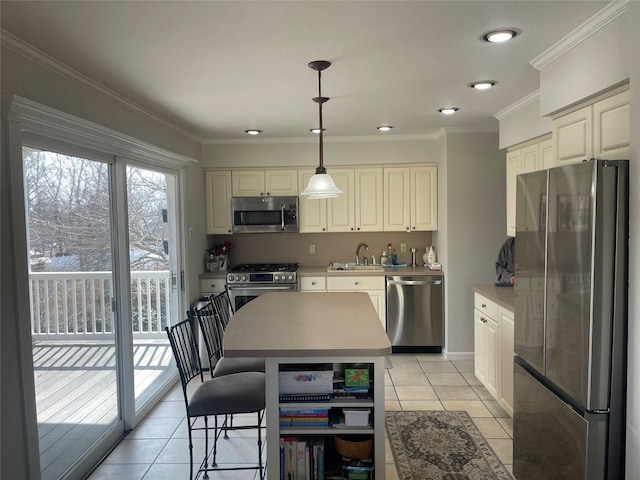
x=218, y=201
x=341, y=214
x=601, y=131
x=358, y=209
x=312, y=213
x=573, y=136
x=368, y=204
x=411, y=198
x=530, y=158
x=611, y=127
x=260, y=183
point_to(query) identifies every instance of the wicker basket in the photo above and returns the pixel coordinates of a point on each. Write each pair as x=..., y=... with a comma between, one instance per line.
x=354, y=447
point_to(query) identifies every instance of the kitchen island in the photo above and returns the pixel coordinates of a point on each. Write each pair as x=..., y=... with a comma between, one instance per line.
x=313, y=328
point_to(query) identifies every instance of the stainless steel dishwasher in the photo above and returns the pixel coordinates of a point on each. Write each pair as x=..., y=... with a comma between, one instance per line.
x=415, y=320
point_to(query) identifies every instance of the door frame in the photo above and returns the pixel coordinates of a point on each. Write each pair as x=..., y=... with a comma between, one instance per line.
x=28, y=118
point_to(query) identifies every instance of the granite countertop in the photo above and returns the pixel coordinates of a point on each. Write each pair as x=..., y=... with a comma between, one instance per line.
x=503, y=296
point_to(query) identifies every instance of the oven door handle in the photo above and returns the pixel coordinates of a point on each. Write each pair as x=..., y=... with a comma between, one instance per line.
x=256, y=287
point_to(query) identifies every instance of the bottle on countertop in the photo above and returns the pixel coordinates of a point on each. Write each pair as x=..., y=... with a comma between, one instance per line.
x=383, y=258
x=431, y=255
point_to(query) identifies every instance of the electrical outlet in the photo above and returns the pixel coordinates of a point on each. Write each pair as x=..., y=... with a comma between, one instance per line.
x=312, y=248
x=403, y=248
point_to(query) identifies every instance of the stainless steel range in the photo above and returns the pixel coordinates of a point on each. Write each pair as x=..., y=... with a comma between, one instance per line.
x=248, y=281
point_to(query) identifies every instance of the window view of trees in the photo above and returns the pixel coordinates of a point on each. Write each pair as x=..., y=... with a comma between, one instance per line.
x=69, y=218
x=69, y=215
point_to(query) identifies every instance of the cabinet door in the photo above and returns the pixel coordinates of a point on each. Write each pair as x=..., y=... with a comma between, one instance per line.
x=514, y=160
x=492, y=375
x=218, y=201
x=378, y=299
x=506, y=360
x=281, y=182
x=479, y=346
x=530, y=159
x=424, y=198
x=573, y=136
x=546, y=160
x=611, y=126
x=248, y=183
x=341, y=210
x=312, y=213
x=368, y=199
x=397, y=199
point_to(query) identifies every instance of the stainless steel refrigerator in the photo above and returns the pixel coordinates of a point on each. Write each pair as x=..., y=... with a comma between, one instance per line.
x=571, y=255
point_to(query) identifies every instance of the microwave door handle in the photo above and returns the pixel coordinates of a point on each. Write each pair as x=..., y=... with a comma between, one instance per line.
x=282, y=217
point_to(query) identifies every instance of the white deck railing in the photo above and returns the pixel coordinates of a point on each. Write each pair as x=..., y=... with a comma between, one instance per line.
x=78, y=305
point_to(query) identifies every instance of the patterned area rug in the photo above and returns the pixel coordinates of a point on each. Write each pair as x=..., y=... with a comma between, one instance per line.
x=441, y=445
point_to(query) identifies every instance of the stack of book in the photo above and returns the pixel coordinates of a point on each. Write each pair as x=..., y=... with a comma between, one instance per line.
x=306, y=385
x=356, y=384
x=303, y=417
x=302, y=458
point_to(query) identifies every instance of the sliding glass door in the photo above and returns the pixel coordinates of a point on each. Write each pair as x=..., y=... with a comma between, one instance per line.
x=71, y=292
x=155, y=282
x=103, y=284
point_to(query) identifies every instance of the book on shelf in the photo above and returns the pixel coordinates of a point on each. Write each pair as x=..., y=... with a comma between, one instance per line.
x=305, y=397
x=303, y=458
x=305, y=381
x=290, y=453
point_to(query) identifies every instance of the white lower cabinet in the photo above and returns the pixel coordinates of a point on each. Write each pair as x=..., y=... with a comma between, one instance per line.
x=374, y=286
x=493, y=349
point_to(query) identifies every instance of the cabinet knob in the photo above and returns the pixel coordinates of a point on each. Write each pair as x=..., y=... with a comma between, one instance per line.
x=313, y=283
x=352, y=229
x=355, y=283
x=484, y=305
x=268, y=193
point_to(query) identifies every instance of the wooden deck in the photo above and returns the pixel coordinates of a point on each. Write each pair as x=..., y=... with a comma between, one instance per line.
x=76, y=397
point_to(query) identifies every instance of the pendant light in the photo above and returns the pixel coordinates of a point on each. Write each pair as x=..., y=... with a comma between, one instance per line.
x=321, y=185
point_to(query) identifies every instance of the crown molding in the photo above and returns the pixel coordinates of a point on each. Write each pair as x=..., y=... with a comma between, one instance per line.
x=431, y=136
x=48, y=122
x=581, y=33
x=314, y=140
x=40, y=58
x=517, y=106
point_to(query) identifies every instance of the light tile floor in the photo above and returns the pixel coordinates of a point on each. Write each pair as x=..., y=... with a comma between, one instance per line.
x=158, y=449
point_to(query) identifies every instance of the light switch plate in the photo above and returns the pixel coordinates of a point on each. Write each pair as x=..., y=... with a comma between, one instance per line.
x=403, y=248
x=312, y=248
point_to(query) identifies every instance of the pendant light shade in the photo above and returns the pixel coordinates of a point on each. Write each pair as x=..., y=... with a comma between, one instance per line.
x=321, y=185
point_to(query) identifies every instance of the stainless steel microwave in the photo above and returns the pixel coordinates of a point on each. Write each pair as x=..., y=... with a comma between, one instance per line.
x=264, y=214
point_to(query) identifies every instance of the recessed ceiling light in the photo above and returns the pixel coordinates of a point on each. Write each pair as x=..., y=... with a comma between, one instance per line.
x=498, y=36
x=385, y=128
x=253, y=132
x=317, y=130
x=483, y=84
x=448, y=110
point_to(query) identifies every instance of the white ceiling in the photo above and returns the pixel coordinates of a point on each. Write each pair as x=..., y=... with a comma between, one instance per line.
x=218, y=68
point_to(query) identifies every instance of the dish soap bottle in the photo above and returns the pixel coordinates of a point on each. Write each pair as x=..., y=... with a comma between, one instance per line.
x=429, y=256
x=383, y=258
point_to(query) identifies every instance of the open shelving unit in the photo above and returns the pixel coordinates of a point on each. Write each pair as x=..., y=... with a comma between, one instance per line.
x=375, y=404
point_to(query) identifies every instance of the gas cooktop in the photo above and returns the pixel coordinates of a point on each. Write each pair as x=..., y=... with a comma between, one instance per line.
x=265, y=267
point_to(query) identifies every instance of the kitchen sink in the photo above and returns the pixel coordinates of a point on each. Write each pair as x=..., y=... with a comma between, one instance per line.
x=352, y=267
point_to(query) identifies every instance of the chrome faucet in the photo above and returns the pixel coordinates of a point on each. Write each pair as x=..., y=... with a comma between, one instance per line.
x=360, y=245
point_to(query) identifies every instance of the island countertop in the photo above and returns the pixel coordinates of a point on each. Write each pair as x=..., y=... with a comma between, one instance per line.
x=299, y=324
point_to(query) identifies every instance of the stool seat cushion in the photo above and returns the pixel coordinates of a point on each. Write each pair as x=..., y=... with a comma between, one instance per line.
x=227, y=366
x=229, y=394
